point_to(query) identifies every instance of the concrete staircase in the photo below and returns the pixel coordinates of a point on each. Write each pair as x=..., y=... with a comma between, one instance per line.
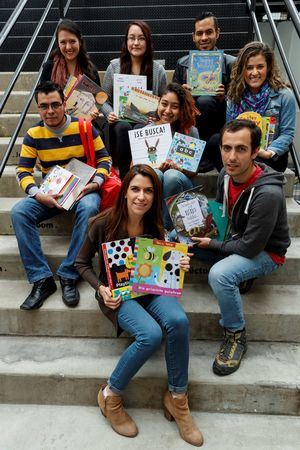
x=59, y=356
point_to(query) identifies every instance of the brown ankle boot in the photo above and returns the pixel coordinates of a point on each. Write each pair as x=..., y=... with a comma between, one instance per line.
x=112, y=408
x=178, y=409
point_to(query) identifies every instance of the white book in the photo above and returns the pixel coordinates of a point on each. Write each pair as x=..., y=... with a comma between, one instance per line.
x=150, y=145
x=122, y=87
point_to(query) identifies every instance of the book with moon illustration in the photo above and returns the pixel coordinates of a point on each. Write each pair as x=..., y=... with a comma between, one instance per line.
x=266, y=124
x=156, y=267
x=204, y=71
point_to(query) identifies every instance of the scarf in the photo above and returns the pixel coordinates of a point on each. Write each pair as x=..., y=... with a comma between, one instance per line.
x=60, y=72
x=253, y=102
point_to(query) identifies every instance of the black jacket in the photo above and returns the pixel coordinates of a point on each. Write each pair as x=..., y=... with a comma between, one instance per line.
x=259, y=216
x=47, y=70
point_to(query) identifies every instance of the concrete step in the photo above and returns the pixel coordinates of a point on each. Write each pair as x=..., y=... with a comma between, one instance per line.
x=272, y=313
x=55, y=249
x=69, y=371
x=24, y=428
x=16, y=103
x=24, y=82
x=8, y=123
x=10, y=188
x=62, y=224
x=15, y=154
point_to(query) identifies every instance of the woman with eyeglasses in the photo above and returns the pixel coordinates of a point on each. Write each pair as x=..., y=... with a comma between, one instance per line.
x=137, y=59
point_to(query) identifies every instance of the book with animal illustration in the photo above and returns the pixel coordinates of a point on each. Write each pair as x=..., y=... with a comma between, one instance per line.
x=156, y=267
x=140, y=106
x=118, y=259
x=83, y=96
x=193, y=215
x=122, y=88
x=150, y=145
x=204, y=71
x=266, y=124
x=186, y=151
x=67, y=182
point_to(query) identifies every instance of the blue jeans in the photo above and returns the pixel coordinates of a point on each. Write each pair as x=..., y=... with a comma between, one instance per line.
x=225, y=276
x=173, y=182
x=28, y=213
x=145, y=319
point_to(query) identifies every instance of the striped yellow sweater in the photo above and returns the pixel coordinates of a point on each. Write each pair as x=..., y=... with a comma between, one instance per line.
x=51, y=150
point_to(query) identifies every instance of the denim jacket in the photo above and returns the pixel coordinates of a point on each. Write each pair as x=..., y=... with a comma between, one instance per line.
x=281, y=105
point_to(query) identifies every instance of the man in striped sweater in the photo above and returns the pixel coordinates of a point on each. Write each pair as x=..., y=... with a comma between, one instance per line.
x=54, y=140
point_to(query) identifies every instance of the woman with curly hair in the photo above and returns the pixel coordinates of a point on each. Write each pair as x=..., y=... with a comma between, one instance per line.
x=146, y=318
x=257, y=85
x=137, y=59
x=176, y=107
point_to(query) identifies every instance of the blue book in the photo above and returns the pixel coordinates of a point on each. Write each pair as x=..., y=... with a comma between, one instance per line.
x=204, y=71
x=186, y=151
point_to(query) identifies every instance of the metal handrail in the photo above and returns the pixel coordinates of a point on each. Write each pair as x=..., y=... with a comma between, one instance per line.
x=11, y=21
x=294, y=14
x=24, y=57
x=252, y=6
x=282, y=53
x=30, y=97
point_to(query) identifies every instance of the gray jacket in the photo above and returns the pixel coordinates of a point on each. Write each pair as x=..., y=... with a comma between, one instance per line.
x=259, y=216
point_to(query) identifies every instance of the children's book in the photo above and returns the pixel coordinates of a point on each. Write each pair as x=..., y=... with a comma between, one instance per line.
x=67, y=182
x=122, y=88
x=193, y=215
x=150, y=145
x=204, y=71
x=118, y=259
x=83, y=96
x=266, y=124
x=186, y=151
x=140, y=106
x=156, y=267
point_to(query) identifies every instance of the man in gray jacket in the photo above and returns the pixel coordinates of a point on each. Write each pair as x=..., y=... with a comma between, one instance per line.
x=212, y=108
x=252, y=195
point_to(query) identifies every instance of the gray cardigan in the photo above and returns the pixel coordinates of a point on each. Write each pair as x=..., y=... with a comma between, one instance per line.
x=159, y=82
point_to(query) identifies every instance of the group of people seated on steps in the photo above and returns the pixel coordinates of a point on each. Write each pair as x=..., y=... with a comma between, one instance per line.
x=249, y=188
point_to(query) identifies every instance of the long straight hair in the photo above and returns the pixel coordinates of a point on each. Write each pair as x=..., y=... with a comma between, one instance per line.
x=147, y=62
x=117, y=217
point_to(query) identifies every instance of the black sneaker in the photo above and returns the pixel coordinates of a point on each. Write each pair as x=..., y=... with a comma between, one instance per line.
x=231, y=352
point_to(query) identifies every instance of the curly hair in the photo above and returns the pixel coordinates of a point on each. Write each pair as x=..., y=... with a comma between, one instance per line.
x=237, y=80
x=147, y=62
x=83, y=59
x=187, y=117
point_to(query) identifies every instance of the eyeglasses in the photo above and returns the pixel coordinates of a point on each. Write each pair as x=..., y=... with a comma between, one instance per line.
x=140, y=39
x=46, y=106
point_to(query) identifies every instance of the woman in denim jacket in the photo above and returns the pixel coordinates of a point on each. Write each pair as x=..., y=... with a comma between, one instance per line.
x=257, y=85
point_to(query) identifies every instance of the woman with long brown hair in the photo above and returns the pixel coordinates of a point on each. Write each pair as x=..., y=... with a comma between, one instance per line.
x=136, y=59
x=138, y=212
x=257, y=85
